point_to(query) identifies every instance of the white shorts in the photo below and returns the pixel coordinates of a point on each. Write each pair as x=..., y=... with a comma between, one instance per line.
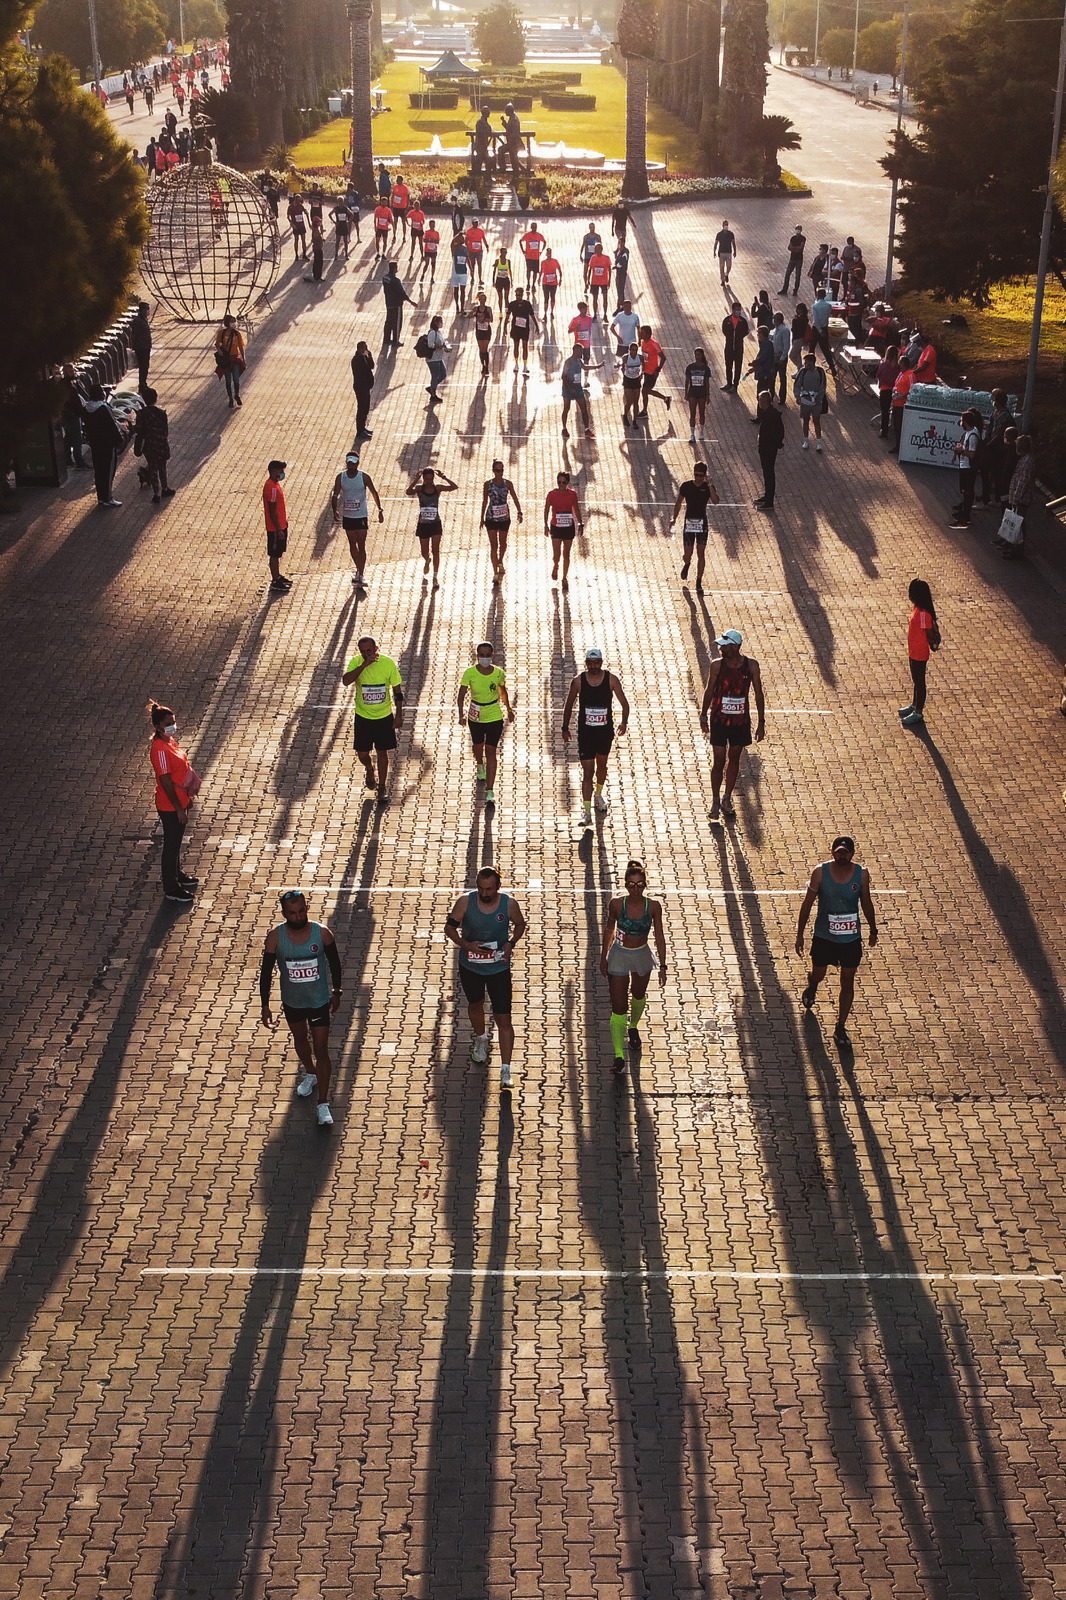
x=638, y=960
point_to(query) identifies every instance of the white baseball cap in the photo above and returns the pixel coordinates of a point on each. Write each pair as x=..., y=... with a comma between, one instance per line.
x=730, y=636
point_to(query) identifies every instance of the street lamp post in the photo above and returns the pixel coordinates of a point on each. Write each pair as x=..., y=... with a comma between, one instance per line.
x=94, y=45
x=358, y=12
x=817, y=31
x=899, y=126
x=1045, y=238
x=855, y=46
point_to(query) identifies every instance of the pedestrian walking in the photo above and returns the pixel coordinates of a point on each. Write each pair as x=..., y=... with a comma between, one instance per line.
x=496, y=496
x=771, y=443
x=621, y=274
x=819, y=334
x=1019, y=495
x=809, y=388
x=141, y=344
x=923, y=636
x=966, y=453
x=486, y=686
x=621, y=221
x=428, y=488
x=229, y=358
x=695, y=494
x=309, y=976
x=377, y=712
x=796, y=246
x=562, y=520
x=460, y=272
x=574, y=372
x=697, y=389
x=841, y=890
x=431, y=347
x=735, y=329
x=74, y=398
x=349, y=503
x=176, y=787
x=486, y=926
x=725, y=715
x=626, y=960
x=151, y=440
x=362, y=383
x=594, y=692
x=725, y=248
x=887, y=373
x=105, y=439
x=395, y=296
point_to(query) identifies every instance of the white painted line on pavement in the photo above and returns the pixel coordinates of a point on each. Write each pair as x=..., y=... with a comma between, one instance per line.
x=611, y=1273
x=404, y=888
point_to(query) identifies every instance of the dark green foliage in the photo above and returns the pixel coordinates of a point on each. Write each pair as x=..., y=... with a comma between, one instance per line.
x=498, y=35
x=970, y=179
x=746, y=51
x=129, y=30
x=835, y=47
x=231, y=116
x=879, y=47
x=569, y=102
x=777, y=134
x=434, y=100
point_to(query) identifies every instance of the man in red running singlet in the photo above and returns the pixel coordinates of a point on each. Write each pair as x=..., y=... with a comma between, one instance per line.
x=725, y=716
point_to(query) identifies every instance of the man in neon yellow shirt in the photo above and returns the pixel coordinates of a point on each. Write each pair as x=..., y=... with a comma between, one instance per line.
x=374, y=675
x=486, y=684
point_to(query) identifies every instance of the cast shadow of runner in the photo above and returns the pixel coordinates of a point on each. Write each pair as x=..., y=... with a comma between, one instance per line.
x=876, y=1320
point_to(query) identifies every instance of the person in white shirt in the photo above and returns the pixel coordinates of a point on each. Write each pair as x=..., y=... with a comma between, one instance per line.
x=625, y=327
x=434, y=359
x=781, y=339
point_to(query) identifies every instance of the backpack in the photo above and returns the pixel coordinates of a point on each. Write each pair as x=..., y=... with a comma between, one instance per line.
x=422, y=347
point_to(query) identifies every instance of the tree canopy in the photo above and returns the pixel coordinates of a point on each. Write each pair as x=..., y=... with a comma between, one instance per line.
x=498, y=35
x=128, y=30
x=971, y=179
x=879, y=47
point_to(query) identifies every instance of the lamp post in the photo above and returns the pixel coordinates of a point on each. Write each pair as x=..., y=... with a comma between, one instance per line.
x=94, y=45
x=1045, y=238
x=358, y=13
x=899, y=126
x=817, y=31
x=855, y=46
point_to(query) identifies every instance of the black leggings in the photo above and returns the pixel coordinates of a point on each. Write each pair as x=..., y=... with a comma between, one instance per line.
x=173, y=824
x=918, y=680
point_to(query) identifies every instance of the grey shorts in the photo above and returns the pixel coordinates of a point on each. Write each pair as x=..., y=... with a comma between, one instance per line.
x=639, y=961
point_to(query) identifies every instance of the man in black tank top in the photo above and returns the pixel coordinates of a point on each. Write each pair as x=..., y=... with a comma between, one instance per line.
x=595, y=691
x=725, y=716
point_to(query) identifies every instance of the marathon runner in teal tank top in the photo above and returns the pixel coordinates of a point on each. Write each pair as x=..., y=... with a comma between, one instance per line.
x=842, y=891
x=486, y=926
x=309, y=969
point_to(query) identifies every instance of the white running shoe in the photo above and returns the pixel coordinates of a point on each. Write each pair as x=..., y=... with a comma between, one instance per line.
x=325, y=1120
x=806, y=445
x=306, y=1084
x=692, y=437
x=479, y=1051
x=601, y=802
x=505, y=1076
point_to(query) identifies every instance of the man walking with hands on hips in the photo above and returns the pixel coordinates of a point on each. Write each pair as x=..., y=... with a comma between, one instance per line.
x=486, y=926
x=725, y=716
x=309, y=968
x=841, y=889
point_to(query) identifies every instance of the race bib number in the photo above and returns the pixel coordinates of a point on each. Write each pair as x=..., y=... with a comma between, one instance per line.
x=564, y=519
x=302, y=971
x=694, y=525
x=596, y=717
x=844, y=925
x=484, y=952
x=696, y=380
x=734, y=705
x=498, y=514
x=427, y=514
x=374, y=694
x=474, y=714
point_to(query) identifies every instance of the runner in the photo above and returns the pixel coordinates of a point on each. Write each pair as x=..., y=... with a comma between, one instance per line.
x=562, y=519
x=496, y=515
x=580, y=330
x=621, y=274
x=477, y=924
x=532, y=245
x=430, y=245
x=725, y=716
x=416, y=222
x=590, y=243
x=349, y=502
x=382, y=228
x=341, y=219
x=599, y=280
x=551, y=274
x=374, y=725
x=298, y=223
x=595, y=691
x=695, y=494
x=697, y=388
x=632, y=369
x=575, y=370
x=626, y=961
x=840, y=888
x=654, y=361
x=476, y=240
x=501, y=280
x=625, y=327
x=430, y=529
x=460, y=272
x=309, y=972
x=520, y=314
x=486, y=684
x=481, y=312
x=400, y=200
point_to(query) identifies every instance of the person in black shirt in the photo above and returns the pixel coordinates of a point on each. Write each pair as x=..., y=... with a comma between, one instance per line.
x=520, y=314
x=736, y=329
x=697, y=388
x=695, y=494
x=796, y=247
x=362, y=383
x=725, y=248
x=771, y=439
x=621, y=217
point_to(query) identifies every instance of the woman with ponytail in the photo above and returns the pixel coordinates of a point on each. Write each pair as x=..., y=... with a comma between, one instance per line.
x=627, y=962
x=176, y=785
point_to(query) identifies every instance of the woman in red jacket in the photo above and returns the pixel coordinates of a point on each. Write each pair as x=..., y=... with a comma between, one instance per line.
x=176, y=785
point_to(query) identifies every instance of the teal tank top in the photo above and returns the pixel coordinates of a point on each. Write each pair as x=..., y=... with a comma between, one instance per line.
x=304, y=971
x=634, y=926
x=488, y=928
x=838, y=916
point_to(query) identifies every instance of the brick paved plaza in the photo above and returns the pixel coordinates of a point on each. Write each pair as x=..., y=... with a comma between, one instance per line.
x=762, y=1320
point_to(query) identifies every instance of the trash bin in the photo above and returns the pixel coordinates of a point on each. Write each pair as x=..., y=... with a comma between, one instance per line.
x=335, y=104
x=41, y=459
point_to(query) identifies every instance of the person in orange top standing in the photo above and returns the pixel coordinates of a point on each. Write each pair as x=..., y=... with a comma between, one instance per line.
x=401, y=199
x=175, y=786
x=430, y=246
x=382, y=227
x=416, y=219
x=550, y=278
x=651, y=353
x=532, y=243
x=923, y=636
x=599, y=279
x=476, y=240
x=277, y=525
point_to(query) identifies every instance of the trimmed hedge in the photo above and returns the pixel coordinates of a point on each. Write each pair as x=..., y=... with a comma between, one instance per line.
x=499, y=102
x=433, y=101
x=571, y=79
x=569, y=102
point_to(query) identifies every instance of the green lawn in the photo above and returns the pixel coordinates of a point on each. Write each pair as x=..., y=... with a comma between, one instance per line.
x=603, y=129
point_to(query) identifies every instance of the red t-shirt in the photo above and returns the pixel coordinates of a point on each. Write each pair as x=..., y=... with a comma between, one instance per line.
x=652, y=351
x=562, y=508
x=476, y=240
x=918, y=635
x=532, y=244
x=382, y=218
x=431, y=239
x=581, y=328
x=400, y=196
x=549, y=273
x=600, y=270
x=167, y=756
x=416, y=219
x=274, y=506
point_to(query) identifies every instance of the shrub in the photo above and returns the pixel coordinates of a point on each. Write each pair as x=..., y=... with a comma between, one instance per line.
x=569, y=102
x=232, y=117
x=433, y=101
x=498, y=35
x=498, y=102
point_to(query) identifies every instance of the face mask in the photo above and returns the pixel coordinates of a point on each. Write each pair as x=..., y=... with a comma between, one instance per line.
x=484, y=661
x=171, y=729
x=281, y=477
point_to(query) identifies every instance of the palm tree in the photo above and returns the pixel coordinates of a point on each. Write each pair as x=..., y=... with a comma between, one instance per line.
x=744, y=57
x=636, y=37
x=778, y=134
x=359, y=13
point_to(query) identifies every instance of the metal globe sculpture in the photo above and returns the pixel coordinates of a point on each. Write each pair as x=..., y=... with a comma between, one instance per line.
x=213, y=245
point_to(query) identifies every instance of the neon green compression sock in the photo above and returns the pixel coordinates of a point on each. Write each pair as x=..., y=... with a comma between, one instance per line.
x=618, y=1032
x=636, y=1010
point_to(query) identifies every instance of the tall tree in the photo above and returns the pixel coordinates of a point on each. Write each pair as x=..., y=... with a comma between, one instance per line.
x=636, y=39
x=971, y=178
x=359, y=20
x=128, y=30
x=745, y=53
x=710, y=77
x=257, y=51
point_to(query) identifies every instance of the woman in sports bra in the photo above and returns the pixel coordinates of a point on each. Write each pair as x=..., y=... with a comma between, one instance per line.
x=627, y=962
x=501, y=280
x=429, y=486
x=481, y=312
x=498, y=491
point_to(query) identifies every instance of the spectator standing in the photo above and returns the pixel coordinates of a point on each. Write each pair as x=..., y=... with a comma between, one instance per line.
x=966, y=452
x=176, y=785
x=141, y=344
x=735, y=328
x=229, y=358
x=621, y=273
x=900, y=390
x=993, y=473
x=820, y=314
x=277, y=525
x=801, y=329
x=71, y=417
x=781, y=339
x=1020, y=492
x=362, y=383
x=887, y=373
x=855, y=299
x=151, y=432
x=809, y=387
x=395, y=296
x=796, y=246
x=818, y=271
x=923, y=636
x=771, y=441
x=762, y=312
x=105, y=440
x=850, y=257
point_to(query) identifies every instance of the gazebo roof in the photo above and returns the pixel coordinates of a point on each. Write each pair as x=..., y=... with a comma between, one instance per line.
x=449, y=66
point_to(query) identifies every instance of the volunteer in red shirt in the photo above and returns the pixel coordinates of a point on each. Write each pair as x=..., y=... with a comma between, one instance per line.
x=550, y=277
x=430, y=246
x=900, y=390
x=562, y=519
x=651, y=353
x=532, y=243
x=382, y=226
x=476, y=240
x=175, y=785
x=401, y=199
x=581, y=330
x=277, y=525
x=599, y=280
x=416, y=221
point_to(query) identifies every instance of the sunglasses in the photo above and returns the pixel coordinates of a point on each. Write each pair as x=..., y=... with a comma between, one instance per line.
x=292, y=894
